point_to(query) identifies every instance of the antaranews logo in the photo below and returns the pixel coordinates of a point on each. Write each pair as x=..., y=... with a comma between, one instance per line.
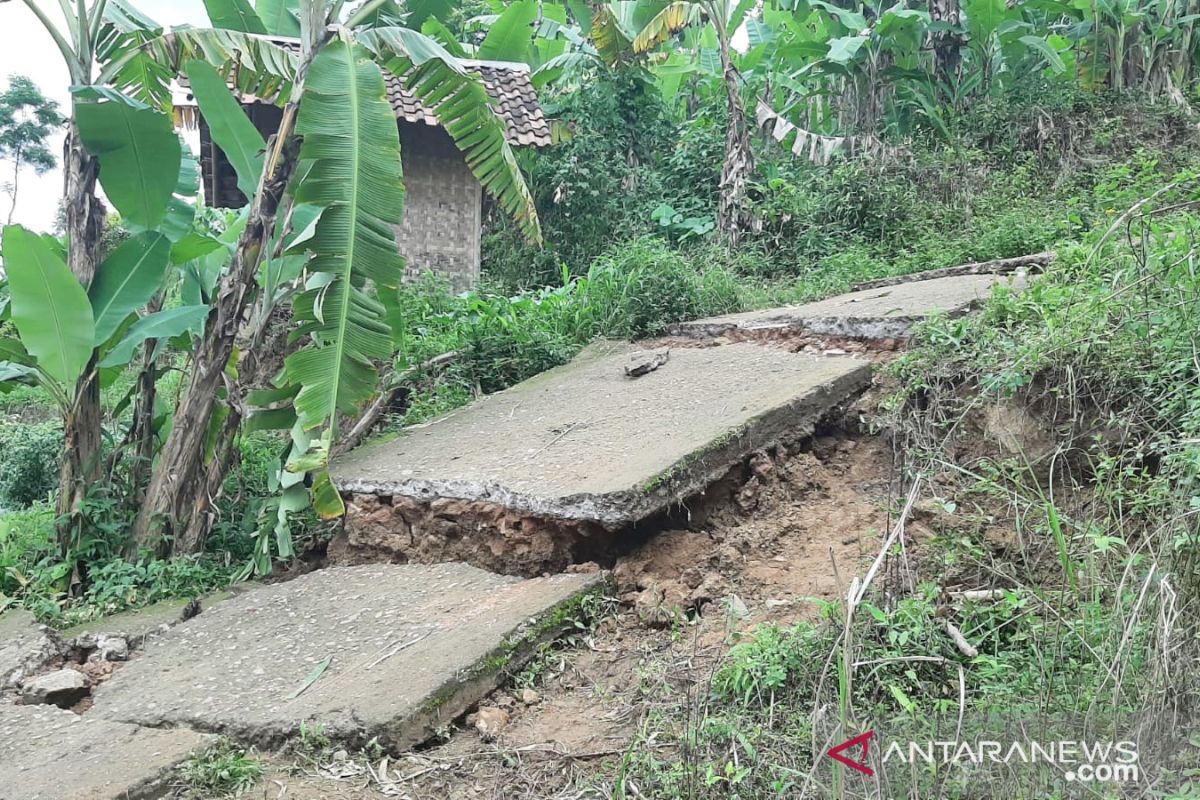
x=863, y=740
x=1078, y=760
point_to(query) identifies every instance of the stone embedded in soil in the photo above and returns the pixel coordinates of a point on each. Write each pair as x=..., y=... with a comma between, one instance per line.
x=881, y=313
x=47, y=753
x=63, y=688
x=111, y=648
x=489, y=721
x=25, y=647
x=408, y=648
x=583, y=443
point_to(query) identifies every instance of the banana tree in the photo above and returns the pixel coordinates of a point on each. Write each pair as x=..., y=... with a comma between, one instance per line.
x=331, y=90
x=334, y=102
x=625, y=30
x=142, y=159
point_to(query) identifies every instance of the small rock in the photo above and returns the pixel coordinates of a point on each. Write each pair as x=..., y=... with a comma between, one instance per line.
x=490, y=721
x=63, y=688
x=529, y=697
x=644, y=361
x=824, y=447
x=735, y=609
x=112, y=648
x=341, y=755
x=835, y=351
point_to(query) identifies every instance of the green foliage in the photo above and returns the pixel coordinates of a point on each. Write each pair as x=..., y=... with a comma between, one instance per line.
x=126, y=281
x=27, y=120
x=138, y=150
x=595, y=189
x=118, y=585
x=223, y=770
x=49, y=307
x=28, y=462
x=228, y=124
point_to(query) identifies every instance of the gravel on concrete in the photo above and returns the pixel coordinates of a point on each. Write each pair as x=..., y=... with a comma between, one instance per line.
x=879, y=313
x=586, y=442
x=383, y=651
x=47, y=753
x=25, y=646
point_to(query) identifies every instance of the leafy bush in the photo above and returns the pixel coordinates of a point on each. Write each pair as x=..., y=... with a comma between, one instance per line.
x=223, y=770
x=29, y=568
x=28, y=462
x=118, y=585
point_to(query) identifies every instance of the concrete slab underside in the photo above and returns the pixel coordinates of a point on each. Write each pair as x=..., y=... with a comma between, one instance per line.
x=881, y=313
x=585, y=442
x=47, y=753
x=408, y=648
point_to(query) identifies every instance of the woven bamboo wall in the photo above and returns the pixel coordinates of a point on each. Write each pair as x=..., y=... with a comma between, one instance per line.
x=442, y=208
x=443, y=201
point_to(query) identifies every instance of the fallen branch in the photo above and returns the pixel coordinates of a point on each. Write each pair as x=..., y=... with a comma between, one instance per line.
x=978, y=595
x=997, y=266
x=960, y=641
x=381, y=403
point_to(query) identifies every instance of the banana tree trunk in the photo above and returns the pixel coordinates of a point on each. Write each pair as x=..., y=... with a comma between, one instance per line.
x=179, y=496
x=739, y=157
x=81, y=425
x=948, y=42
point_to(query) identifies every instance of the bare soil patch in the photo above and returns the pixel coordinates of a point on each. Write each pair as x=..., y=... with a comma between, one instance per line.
x=765, y=545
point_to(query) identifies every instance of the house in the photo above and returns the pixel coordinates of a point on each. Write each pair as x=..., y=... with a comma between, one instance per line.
x=443, y=213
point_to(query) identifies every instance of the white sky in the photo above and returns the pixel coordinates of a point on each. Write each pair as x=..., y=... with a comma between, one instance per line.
x=26, y=49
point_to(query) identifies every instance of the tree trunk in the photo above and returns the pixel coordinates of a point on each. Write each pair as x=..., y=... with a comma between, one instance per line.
x=178, y=498
x=81, y=427
x=947, y=44
x=739, y=158
x=141, y=430
x=12, y=193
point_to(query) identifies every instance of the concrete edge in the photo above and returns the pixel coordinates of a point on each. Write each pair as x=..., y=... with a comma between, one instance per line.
x=785, y=425
x=848, y=327
x=520, y=645
x=160, y=785
x=690, y=475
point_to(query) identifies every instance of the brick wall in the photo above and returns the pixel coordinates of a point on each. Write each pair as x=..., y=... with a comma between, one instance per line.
x=442, y=208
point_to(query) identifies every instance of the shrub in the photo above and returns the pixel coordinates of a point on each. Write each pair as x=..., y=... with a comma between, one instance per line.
x=28, y=462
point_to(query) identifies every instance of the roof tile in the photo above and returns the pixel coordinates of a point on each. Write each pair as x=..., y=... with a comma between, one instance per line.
x=515, y=100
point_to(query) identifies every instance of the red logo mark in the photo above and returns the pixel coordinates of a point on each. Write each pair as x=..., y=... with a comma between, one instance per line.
x=863, y=740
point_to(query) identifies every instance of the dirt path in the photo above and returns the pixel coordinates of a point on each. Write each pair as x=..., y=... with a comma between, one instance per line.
x=767, y=544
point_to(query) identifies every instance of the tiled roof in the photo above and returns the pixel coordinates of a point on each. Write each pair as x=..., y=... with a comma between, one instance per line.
x=509, y=86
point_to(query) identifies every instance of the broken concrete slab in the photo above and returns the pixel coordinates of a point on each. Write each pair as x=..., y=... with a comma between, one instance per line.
x=137, y=625
x=52, y=754
x=1034, y=262
x=25, y=647
x=384, y=651
x=582, y=442
x=880, y=313
x=63, y=688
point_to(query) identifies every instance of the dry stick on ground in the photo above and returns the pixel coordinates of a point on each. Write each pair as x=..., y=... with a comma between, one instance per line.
x=371, y=416
x=960, y=641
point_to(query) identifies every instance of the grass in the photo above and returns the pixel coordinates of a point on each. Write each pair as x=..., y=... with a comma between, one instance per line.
x=224, y=770
x=1092, y=543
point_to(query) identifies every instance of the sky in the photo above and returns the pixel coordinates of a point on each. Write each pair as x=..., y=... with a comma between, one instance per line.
x=26, y=49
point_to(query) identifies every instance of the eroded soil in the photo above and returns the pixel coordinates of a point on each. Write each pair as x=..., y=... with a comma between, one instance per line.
x=767, y=545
